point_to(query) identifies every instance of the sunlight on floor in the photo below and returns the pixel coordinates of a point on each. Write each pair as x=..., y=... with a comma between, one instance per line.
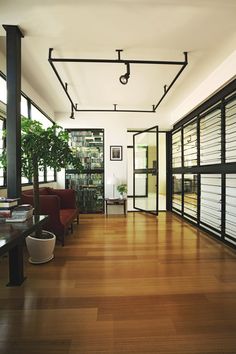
x=148, y=203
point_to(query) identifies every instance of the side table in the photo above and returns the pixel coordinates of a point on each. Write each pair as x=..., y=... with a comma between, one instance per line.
x=116, y=201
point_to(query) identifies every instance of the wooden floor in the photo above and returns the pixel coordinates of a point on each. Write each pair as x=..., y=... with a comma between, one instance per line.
x=125, y=285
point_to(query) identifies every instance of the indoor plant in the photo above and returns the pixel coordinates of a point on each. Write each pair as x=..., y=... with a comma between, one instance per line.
x=122, y=189
x=39, y=148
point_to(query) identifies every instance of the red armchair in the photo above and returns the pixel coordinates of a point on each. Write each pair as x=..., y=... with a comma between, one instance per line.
x=59, y=204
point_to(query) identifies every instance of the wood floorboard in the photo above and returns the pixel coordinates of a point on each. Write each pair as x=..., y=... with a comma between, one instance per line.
x=132, y=284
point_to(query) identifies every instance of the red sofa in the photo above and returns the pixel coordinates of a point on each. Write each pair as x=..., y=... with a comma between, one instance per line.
x=59, y=204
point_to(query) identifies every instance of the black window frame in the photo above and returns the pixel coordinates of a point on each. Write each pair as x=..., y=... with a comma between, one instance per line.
x=223, y=168
x=30, y=103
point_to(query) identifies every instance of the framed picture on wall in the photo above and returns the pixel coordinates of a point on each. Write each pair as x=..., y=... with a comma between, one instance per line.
x=116, y=153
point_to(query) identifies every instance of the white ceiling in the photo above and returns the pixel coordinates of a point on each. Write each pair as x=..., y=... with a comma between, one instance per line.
x=144, y=29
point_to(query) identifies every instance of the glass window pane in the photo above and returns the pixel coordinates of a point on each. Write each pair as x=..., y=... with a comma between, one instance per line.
x=190, y=145
x=3, y=90
x=141, y=156
x=24, y=107
x=230, y=209
x=1, y=148
x=210, y=208
x=41, y=176
x=50, y=174
x=210, y=138
x=1, y=134
x=141, y=183
x=145, y=191
x=177, y=192
x=145, y=149
x=190, y=195
x=176, y=150
x=24, y=180
x=230, y=130
x=40, y=117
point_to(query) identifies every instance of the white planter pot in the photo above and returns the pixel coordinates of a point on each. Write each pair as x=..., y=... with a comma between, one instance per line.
x=41, y=250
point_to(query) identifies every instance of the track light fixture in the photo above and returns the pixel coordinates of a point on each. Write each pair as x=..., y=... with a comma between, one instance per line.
x=124, y=78
x=72, y=112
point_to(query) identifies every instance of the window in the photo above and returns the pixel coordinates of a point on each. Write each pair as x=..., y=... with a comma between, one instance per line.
x=1, y=148
x=3, y=90
x=177, y=192
x=36, y=114
x=28, y=110
x=176, y=149
x=230, y=209
x=190, y=144
x=206, y=195
x=210, y=138
x=190, y=196
x=211, y=202
x=230, y=129
x=50, y=174
x=41, y=176
x=24, y=107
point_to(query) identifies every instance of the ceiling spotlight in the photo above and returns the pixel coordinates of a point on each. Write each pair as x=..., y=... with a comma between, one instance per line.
x=124, y=78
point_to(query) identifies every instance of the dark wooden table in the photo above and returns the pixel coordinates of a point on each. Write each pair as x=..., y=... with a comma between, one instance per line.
x=117, y=201
x=12, y=236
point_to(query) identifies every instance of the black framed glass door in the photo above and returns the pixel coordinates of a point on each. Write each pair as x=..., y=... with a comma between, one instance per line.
x=145, y=171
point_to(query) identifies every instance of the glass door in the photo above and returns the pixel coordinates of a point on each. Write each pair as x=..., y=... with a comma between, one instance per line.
x=145, y=172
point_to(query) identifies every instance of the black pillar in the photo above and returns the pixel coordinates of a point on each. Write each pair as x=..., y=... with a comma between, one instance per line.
x=168, y=171
x=13, y=126
x=16, y=265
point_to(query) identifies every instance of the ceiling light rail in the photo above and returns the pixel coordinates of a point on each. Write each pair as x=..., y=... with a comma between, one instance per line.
x=123, y=79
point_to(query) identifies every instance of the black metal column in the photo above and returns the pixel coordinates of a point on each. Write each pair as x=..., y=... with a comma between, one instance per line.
x=168, y=171
x=223, y=175
x=182, y=174
x=199, y=174
x=13, y=126
x=16, y=265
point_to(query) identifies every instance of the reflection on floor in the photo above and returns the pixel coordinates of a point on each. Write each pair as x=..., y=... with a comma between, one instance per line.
x=190, y=203
x=148, y=203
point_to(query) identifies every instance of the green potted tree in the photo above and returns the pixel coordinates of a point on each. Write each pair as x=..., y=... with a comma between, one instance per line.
x=42, y=147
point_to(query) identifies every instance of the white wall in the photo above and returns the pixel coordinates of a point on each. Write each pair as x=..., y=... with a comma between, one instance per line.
x=216, y=80
x=212, y=72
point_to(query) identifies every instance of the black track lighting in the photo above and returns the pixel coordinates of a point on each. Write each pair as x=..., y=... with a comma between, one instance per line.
x=72, y=112
x=124, y=78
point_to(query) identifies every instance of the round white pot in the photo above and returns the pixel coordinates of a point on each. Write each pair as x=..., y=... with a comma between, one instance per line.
x=41, y=250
